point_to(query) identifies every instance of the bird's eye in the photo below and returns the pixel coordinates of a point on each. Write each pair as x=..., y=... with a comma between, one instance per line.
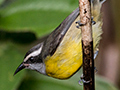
x=31, y=59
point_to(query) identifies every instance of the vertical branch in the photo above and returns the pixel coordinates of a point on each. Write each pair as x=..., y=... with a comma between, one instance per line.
x=87, y=44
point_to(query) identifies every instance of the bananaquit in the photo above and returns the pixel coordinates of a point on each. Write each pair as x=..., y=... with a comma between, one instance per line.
x=60, y=54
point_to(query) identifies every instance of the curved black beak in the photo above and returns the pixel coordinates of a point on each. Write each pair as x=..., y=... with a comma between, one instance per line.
x=20, y=67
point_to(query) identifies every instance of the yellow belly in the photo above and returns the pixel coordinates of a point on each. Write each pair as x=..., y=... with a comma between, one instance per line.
x=65, y=62
x=68, y=57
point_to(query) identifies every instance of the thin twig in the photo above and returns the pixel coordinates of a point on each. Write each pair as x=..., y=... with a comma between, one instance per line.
x=87, y=44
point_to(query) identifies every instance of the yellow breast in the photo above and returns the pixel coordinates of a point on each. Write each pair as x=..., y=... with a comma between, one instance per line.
x=66, y=62
x=68, y=57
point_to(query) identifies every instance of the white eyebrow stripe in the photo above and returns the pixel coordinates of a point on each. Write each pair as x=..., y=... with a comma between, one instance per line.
x=35, y=53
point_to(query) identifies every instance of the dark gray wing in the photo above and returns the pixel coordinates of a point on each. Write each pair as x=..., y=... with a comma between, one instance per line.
x=54, y=39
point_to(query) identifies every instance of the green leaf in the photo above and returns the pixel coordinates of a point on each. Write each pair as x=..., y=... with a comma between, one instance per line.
x=9, y=59
x=36, y=81
x=40, y=16
x=1, y=1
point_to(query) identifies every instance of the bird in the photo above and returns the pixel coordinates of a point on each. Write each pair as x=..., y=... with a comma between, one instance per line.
x=59, y=55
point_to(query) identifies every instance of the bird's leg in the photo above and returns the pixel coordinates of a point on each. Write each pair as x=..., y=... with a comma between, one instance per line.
x=95, y=55
x=93, y=22
x=82, y=80
x=82, y=77
x=81, y=24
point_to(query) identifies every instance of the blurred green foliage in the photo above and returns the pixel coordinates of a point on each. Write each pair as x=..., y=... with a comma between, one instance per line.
x=35, y=15
x=21, y=23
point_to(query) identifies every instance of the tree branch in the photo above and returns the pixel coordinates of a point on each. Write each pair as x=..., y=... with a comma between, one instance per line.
x=87, y=44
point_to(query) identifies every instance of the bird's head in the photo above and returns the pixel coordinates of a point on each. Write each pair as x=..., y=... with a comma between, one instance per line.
x=32, y=60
